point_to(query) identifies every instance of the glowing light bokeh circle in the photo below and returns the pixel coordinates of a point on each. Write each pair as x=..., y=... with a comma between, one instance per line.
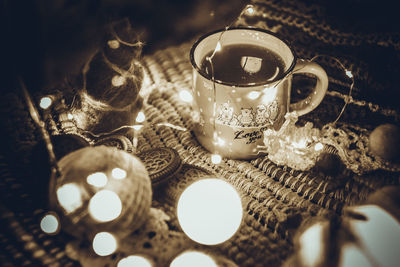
x=210, y=211
x=134, y=260
x=216, y=159
x=193, y=259
x=186, y=96
x=104, y=244
x=69, y=196
x=105, y=206
x=97, y=179
x=50, y=224
x=118, y=173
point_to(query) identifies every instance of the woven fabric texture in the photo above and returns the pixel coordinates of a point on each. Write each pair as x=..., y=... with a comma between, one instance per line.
x=277, y=200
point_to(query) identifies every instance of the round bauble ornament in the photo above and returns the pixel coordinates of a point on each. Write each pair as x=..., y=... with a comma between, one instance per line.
x=384, y=141
x=101, y=190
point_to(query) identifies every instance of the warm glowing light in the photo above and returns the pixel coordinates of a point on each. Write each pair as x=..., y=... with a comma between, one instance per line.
x=269, y=95
x=218, y=47
x=70, y=116
x=351, y=255
x=105, y=206
x=216, y=159
x=69, y=197
x=118, y=173
x=253, y=95
x=136, y=261
x=97, y=179
x=137, y=127
x=50, y=224
x=140, y=117
x=311, y=245
x=251, y=64
x=379, y=234
x=193, y=259
x=250, y=10
x=301, y=144
x=210, y=211
x=349, y=74
x=186, y=96
x=114, y=44
x=318, y=146
x=220, y=141
x=118, y=80
x=104, y=244
x=45, y=102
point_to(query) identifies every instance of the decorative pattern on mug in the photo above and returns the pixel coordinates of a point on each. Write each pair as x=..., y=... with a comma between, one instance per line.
x=248, y=117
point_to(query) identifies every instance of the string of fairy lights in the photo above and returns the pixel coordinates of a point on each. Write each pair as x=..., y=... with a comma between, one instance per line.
x=207, y=216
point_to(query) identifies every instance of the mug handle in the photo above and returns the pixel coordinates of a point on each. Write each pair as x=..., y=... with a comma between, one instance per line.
x=308, y=104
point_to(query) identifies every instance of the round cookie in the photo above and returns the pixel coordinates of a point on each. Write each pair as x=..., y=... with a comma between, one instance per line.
x=161, y=163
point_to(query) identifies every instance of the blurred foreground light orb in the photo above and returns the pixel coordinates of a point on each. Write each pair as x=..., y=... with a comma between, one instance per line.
x=50, y=223
x=134, y=261
x=104, y=244
x=69, y=197
x=210, y=211
x=105, y=206
x=193, y=259
x=118, y=173
x=97, y=179
x=312, y=245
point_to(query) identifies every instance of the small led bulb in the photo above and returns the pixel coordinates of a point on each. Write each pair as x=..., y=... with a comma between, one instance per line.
x=140, y=117
x=318, y=146
x=216, y=159
x=104, y=244
x=45, y=102
x=250, y=10
x=349, y=74
x=50, y=223
x=186, y=96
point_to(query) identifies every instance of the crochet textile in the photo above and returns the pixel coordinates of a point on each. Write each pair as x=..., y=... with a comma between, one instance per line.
x=277, y=200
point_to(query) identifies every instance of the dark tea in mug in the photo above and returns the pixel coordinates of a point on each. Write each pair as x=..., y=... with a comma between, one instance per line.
x=242, y=64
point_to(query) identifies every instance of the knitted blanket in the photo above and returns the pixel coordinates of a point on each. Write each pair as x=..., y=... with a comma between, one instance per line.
x=277, y=200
